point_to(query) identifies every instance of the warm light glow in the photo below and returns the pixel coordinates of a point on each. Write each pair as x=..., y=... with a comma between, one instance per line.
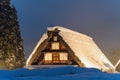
x=86, y=63
x=48, y=56
x=55, y=38
x=63, y=56
x=55, y=45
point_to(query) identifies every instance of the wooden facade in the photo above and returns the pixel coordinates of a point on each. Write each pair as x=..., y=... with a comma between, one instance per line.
x=55, y=52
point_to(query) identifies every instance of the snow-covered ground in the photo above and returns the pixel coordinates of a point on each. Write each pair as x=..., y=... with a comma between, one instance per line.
x=60, y=73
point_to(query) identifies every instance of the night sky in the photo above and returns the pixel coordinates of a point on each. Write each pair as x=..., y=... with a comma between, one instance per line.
x=99, y=19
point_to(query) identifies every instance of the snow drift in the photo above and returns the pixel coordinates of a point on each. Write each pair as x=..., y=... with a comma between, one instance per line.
x=63, y=73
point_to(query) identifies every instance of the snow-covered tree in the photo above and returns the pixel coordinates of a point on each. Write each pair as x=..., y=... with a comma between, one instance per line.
x=11, y=44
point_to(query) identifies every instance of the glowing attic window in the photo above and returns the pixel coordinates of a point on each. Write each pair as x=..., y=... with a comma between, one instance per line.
x=55, y=38
x=55, y=45
x=63, y=56
x=48, y=56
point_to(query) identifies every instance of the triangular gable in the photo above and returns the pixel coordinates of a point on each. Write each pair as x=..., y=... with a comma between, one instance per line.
x=43, y=48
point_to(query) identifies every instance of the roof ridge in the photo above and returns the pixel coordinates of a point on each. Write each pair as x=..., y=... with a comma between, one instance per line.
x=67, y=30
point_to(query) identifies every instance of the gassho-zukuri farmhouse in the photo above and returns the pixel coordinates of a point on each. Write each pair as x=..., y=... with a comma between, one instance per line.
x=61, y=46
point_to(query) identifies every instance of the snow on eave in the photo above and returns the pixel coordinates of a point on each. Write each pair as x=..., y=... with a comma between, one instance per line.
x=38, y=44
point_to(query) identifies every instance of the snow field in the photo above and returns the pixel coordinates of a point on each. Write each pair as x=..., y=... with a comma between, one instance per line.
x=61, y=73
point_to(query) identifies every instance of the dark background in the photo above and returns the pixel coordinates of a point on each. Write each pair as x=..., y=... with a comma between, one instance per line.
x=99, y=19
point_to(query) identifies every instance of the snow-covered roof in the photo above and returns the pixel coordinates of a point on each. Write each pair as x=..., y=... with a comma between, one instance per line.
x=83, y=46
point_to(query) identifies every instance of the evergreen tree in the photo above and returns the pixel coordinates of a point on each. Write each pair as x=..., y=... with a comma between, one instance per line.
x=11, y=44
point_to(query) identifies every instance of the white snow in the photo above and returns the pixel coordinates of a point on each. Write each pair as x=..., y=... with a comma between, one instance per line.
x=63, y=73
x=40, y=41
x=84, y=48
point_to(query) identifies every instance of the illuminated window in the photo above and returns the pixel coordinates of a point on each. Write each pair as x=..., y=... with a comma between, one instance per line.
x=48, y=56
x=63, y=56
x=55, y=38
x=55, y=45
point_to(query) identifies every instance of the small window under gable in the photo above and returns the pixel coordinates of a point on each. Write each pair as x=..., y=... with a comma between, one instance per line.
x=54, y=38
x=48, y=56
x=63, y=56
x=55, y=45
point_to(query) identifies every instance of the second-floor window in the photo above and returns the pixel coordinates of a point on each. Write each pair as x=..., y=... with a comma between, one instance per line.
x=55, y=45
x=55, y=38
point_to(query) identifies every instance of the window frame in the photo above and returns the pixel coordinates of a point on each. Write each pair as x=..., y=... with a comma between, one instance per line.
x=48, y=56
x=55, y=45
x=63, y=56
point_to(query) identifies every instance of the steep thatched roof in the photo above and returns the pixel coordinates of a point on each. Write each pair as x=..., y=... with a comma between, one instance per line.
x=83, y=46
